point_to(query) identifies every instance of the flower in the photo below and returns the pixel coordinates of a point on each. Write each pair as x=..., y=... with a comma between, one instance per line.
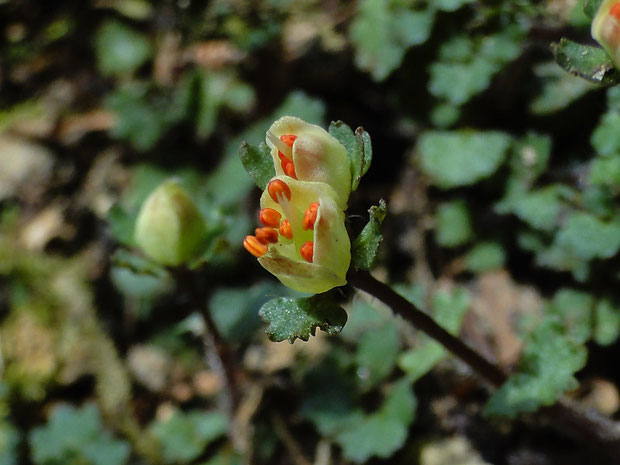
x=307, y=152
x=303, y=241
x=169, y=228
x=606, y=29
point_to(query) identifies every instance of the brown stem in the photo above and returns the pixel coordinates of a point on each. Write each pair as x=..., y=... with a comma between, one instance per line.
x=587, y=425
x=217, y=352
x=423, y=322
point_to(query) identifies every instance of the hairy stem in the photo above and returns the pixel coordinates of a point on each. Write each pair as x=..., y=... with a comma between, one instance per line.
x=587, y=425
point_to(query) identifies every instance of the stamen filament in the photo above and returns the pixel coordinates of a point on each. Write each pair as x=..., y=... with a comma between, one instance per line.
x=279, y=144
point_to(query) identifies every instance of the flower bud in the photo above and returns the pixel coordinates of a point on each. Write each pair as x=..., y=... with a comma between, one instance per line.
x=606, y=29
x=307, y=152
x=169, y=228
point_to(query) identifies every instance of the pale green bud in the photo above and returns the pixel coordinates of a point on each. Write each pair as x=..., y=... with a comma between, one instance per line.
x=169, y=228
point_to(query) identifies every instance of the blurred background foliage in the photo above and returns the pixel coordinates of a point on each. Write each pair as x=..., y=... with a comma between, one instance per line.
x=502, y=176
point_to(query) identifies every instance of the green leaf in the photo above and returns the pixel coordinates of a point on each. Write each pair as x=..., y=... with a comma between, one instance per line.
x=359, y=149
x=139, y=265
x=143, y=113
x=419, y=361
x=330, y=395
x=453, y=224
x=590, y=63
x=590, y=7
x=606, y=323
x=75, y=435
x=121, y=225
x=9, y=442
x=588, y=238
x=605, y=171
x=606, y=137
x=382, y=32
x=546, y=370
x=355, y=151
x=559, y=89
x=206, y=94
x=485, y=256
x=364, y=139
x=574, y=309
x=466, y=65
x=297, y=318
x=120, y=49
x=366, y=245
x=364, y=317
x=450, y=5
x=454, y=159
x=184, y=436
x=377, y=350
x=530, y=157
x=540, y=208
x=234, y=309
x=449, y=308
x=381, y=434
x=258, y=162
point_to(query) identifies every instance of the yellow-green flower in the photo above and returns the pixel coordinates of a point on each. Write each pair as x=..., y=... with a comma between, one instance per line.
x=606, y=29
x=303, y=241
x=307, y=152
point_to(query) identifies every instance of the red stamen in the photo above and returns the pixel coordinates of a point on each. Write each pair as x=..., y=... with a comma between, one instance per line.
x=615, y=10
x=266, y=235
x=278, y=189
x=286, y=230
x=310, y=216
x=253, y=246
x=287, y=165
x=288, y=139
x=289, y=169
x=269, y=217
x=307, y=251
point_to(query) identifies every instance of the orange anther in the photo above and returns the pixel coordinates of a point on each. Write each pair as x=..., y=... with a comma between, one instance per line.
x=278, y=189
x=310, y=216
x=266, y=235
x=269, y=217
x=253, y=246
x=307, y=250
x=286, y=230
x=287, y=165
x=615, y=10
x=288, y=139
x=289, y=169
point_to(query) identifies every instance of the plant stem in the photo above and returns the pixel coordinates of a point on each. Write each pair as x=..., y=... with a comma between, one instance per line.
x=587, y=425
x=217, y=352
x=401, y=306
